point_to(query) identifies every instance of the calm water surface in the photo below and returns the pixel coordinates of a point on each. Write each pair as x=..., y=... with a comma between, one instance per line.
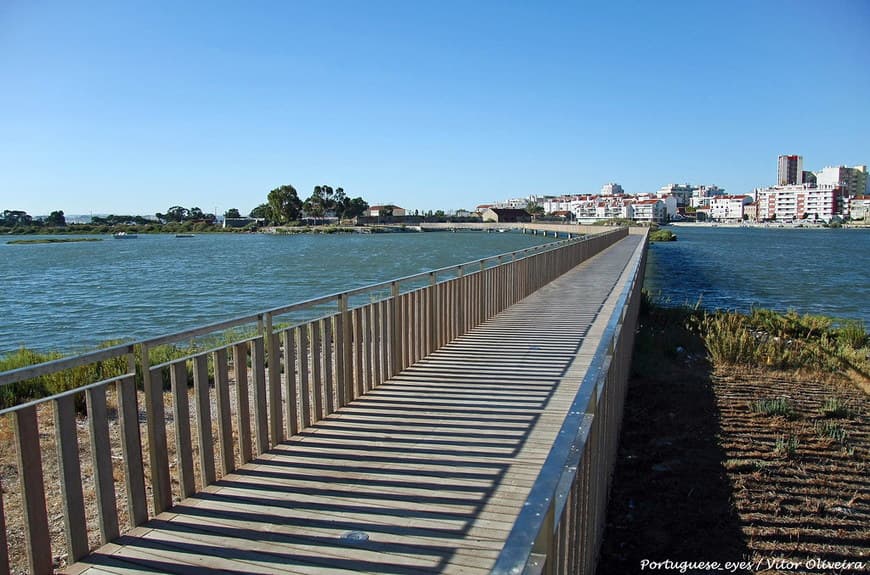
x=71, y=297
x=818, y=271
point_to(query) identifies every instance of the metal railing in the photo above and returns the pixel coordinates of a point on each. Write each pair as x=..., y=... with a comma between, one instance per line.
x=263, y=388
x=560, y=526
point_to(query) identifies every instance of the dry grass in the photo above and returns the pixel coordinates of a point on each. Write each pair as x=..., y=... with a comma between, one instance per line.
x=799, y=484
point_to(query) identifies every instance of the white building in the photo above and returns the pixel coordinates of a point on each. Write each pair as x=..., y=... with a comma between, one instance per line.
x=799, y=202
x=859, y=208
x=652, y=211
x=852, y=180
x=728, y=208
x=611, y=189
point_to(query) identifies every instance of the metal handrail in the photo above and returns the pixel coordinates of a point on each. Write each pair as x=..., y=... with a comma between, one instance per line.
x=549, y=493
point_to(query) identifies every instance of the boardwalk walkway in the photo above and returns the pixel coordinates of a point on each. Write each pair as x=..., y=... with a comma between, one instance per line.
x=426, y=473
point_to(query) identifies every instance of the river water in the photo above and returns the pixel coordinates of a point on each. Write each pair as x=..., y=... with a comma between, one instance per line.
x=817, y=271
x=73, y=296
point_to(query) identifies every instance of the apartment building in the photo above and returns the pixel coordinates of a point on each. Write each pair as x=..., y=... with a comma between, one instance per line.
x=799, y=202
x=728, y=208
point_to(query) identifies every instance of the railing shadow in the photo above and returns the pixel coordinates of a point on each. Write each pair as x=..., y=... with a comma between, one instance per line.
x=670, y=498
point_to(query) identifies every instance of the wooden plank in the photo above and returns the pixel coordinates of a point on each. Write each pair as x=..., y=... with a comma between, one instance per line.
x=131, y=450
x=291, y=388
x=339, y=352
x=32, y=491
x=261, y=415
x=273, y=357
x=384, y=344
x=243, y=408
x=203, y=420
x=358, y=378
x=317, y=371
x=304, y=378
x=4, y=545
x=276, y=414
x=328, y=373
x=376, y=345
x=158, y=453
x=368, y=369
x=181, y=412
x=347, y=351
x=222, y=402
x=101, y=450
x=70, y=471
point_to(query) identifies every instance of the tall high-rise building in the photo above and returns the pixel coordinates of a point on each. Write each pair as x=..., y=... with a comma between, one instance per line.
x=791, y=171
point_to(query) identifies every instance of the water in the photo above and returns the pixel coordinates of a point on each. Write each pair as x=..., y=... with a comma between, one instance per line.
x=816, y=271
x=71, y=297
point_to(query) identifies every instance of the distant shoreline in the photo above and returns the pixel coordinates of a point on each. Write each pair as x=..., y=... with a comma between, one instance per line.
x=766, y=225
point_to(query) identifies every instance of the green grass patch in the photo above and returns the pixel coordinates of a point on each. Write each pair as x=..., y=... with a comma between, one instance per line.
x=836, y=408
x=786, y=446
x=831, y=429
x=662, y=236
x=773, y=407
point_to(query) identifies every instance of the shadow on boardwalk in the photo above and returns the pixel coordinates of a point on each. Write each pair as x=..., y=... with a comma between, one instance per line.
x=671, y=498
x=396, y=482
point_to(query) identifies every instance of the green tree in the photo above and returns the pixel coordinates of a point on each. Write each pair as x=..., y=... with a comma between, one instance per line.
x=535, y=209
x=56, y=219
x=174, y=214
x=316, y=204
x=15, y=218
x=355, y=207
x=232, y=213
x=284, y=204
x=263, y=211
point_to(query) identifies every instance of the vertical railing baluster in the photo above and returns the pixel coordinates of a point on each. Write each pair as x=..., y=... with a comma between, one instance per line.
x=183, y=443
x=33, y=491
x=4, y=544
x=304, y=380
x=70, y=472
x=358, y=377
x=203, y=420
x=161, y=487
x=222, y=402
x=243, y=407
x=291, y=389
x=316, y=371
x=328, y=355
x=261, y=417
x=104, y=482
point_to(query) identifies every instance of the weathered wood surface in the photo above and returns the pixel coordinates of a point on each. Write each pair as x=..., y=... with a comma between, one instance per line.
x=423, y=474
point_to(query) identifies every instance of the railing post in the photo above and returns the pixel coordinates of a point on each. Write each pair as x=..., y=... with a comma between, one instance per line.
x=395, y=330
x=344, y=354
x=432, y=320
x=32, y=491
x=161, y=490
x=276, y=427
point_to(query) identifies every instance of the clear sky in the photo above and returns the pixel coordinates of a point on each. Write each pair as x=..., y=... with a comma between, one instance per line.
x=132, y=107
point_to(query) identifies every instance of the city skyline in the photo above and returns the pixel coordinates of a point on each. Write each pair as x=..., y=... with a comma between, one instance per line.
x=131, y=109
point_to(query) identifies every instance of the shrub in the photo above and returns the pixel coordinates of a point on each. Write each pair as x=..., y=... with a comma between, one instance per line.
x=773, y=407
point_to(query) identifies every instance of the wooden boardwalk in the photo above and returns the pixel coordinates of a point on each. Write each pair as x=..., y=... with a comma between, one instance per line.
x=426, y=473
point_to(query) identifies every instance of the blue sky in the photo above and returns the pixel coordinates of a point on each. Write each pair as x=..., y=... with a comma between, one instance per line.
x=131, y=107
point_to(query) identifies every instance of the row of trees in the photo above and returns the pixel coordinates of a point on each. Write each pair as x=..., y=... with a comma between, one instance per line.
x=14, y=218
x=180, y=214
x=283, y=205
